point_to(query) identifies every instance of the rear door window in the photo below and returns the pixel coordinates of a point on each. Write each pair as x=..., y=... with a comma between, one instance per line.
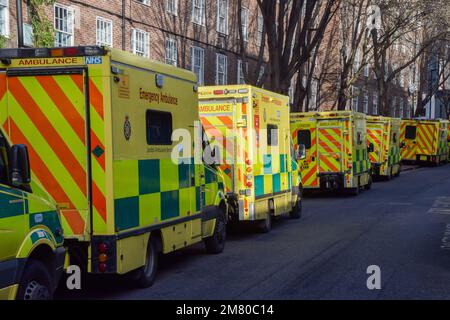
x=410, y=132
x=304, y=137
x=272, y=135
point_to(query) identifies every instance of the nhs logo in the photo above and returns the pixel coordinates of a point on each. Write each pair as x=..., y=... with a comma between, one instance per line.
x=93, y=60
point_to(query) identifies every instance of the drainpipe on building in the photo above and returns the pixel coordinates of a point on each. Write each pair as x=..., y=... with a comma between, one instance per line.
x=19, y=24
x=123, y=25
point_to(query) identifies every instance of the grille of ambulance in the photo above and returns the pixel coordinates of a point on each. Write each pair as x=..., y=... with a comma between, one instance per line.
x=44, y=108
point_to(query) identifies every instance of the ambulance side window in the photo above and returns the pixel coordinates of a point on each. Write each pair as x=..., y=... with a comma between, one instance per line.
x=3, y=160
x=159, y=128
x=272, y=135
x=304, y=137
x=395, y=137
x=410, y=132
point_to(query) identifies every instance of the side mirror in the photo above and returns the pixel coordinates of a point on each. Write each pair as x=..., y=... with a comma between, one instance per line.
x=19, y=166
x=371, y=148
x=300, y=153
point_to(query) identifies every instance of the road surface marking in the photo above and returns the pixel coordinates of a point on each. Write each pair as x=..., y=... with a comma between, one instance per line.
x=441, y=206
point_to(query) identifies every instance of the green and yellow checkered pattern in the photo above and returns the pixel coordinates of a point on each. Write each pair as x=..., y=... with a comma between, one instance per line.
x=361, y=162
x=270, y=180
x=147, y=192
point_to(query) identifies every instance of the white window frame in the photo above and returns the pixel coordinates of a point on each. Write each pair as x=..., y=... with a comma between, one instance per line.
x=4, y=15
x=240, y=72
x=200, y=6
x=104, y=21
x=146, y=43
x=401, y=107
x=70, y=32
x=366, y=102
x=145, y=2
x=222, y=29
x=221, y=74
x=355, y=98
x=245, y=23
x=260, y=29
x=198, y=67
x=172, y=10
x=375, y=103
x=171, y=55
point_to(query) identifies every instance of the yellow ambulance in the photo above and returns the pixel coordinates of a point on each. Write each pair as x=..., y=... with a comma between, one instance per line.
x=383, y=137
x=31, y=236
x=99, y=125
x=336, y=150
x=248, y=131
x=425, y=140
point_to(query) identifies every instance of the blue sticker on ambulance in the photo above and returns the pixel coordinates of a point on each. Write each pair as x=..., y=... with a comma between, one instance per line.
x=93, y=60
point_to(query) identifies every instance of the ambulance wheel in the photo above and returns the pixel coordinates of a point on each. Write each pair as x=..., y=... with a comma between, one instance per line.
x=216, y=243
x=369, y=184
x=296, y=212
x=354, y=191
x=264, y=226
x=35, y=283
x=145, y=276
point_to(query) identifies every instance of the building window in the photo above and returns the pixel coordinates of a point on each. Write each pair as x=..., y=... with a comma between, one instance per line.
x=147, y=2
x=355, y=98
x=140, y=43
x=64, y=26
x=198, y=63
x=221, y=69
x=366, y=102
x=159, y=128
x=375, y=104
x=222, y=16
x=4, y=18
x=104, y=32
x=244, y=18
x=394, y=107
x=198, y=12
x=172, y=7
x=171, y=51
x=314, y=94
x=260, y=30
x=401, y=108
x=366, y=70
x=240, y=72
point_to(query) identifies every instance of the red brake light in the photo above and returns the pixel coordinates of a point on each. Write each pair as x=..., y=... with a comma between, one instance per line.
x=102, y=267
x=102, y=248
x=218, y=92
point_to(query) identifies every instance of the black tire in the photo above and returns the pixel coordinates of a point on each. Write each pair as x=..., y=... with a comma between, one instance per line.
x=264, y=226
x=296, y=212
x=353, y=191
x=36, y=282
x=216, y=243
x=369, y=184
x=145, y=276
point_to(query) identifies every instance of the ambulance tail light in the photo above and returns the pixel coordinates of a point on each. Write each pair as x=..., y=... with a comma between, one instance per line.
x=218, y=92
x=249, y=184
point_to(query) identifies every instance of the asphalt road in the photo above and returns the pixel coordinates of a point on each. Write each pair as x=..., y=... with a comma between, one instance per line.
x=399, y=226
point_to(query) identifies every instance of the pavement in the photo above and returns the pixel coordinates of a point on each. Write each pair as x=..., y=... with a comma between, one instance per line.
x=401, y=226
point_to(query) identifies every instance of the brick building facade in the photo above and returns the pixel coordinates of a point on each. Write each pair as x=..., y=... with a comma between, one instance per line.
x=200, y=35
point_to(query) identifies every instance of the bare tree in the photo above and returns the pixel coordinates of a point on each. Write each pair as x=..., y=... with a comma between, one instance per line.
x=405, y=20
x=293, y=30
